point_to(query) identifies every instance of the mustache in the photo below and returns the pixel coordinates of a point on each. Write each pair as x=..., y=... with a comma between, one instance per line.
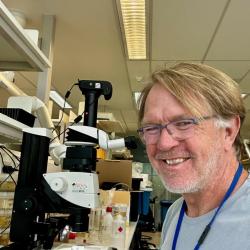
x=173, y=154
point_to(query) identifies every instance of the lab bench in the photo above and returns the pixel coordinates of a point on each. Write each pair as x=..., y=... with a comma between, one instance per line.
x=130, y=241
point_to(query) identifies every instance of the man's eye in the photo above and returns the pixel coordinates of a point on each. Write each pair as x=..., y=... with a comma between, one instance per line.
x=183, y=124
x=151, y=129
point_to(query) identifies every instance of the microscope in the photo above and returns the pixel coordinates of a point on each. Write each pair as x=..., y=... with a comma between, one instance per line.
x=70, y=193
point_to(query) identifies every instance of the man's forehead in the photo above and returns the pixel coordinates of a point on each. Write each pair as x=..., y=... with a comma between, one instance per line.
x=161, y=99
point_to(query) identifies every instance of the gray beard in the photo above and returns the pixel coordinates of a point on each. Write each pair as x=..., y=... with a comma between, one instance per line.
x=209, y=170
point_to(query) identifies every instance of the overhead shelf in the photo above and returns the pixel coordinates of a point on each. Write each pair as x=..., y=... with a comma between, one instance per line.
x=10, y=130
x=17, y=50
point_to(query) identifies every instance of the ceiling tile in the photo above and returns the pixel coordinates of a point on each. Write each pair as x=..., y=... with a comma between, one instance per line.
x=235, y=69
x=245, y=85
x=233, y=37
x=181, y=30
x=138, y=73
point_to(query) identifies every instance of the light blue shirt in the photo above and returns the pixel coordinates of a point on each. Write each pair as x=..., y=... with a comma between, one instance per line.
x=230, y=230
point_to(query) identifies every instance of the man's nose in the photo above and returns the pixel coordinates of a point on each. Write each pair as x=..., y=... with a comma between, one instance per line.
x=166, y=140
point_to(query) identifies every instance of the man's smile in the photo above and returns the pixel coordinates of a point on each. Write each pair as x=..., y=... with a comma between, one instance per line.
x=175, y=161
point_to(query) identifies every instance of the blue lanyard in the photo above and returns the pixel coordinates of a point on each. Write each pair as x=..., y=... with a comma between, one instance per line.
x=207, y=228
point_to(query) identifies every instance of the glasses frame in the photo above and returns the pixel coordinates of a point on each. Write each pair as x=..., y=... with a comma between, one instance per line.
x=193, y=120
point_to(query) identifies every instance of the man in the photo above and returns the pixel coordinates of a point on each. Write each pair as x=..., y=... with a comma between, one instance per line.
x=190, y=118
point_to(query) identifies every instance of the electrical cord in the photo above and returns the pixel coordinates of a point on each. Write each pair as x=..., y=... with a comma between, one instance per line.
x=2, y=182
x=9, y=169
x=12, y=179
x=8, y=176
x=65, y=98
x=5, y=229
x=76, y=120
x=17, y=158
x=1, y=156
x=7, y=152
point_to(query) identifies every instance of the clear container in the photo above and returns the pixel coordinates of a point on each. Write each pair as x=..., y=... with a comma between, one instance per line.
x=94, y=224
x=123, y=210
x=106, y=230
x=119, y=232
x=115, y=209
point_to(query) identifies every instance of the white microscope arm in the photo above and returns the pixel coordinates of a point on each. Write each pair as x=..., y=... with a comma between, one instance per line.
x=101, y=137
x=34, y=105
x=57, y=150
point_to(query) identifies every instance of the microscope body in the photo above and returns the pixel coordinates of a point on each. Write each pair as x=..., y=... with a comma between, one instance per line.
x=71, y=192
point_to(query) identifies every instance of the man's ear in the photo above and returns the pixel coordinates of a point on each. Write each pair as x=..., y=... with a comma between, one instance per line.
x=232, y=131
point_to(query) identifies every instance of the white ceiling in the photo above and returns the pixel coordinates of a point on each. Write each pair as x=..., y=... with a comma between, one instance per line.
x=88, y=45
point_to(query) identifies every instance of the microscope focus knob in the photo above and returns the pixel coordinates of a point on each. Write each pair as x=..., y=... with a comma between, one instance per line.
x=58, y=184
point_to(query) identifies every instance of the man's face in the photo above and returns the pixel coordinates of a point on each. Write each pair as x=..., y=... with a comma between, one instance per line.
x=184, y=165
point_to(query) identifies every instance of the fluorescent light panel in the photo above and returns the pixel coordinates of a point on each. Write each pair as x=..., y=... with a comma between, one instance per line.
x=245, y=95
x=133, y=14
x=136, y=98
x=57, y=98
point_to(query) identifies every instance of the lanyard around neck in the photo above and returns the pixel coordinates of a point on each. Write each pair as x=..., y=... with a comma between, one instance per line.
x=207, y=228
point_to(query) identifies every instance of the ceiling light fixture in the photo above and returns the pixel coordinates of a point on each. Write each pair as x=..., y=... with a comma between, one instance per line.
x=244, y=95
x=136, y=96
x=133, y=20
x=57, y=98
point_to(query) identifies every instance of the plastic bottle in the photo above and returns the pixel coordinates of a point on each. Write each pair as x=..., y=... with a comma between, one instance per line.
x=119, y=232
x=94, y=225
x=123, y=213
x=106, y=231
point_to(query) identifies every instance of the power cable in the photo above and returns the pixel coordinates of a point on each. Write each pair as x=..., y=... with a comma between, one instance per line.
x=6, y=151
x=17, y=158
x=76, y=120
x=65, y=98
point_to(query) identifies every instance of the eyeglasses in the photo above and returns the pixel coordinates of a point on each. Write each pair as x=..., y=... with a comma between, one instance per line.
x=179, y=130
